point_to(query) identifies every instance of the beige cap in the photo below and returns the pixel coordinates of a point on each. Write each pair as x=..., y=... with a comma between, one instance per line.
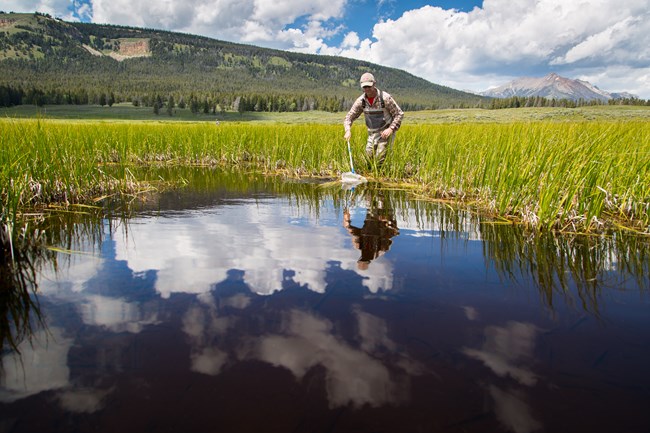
x=367, y=79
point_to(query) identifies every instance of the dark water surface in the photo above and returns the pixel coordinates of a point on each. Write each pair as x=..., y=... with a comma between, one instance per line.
x=240, y=304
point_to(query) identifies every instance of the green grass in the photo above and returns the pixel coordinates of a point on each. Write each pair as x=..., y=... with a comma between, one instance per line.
x=126, y=111
x=549, y=114
x=567, y=175
x=561, y=172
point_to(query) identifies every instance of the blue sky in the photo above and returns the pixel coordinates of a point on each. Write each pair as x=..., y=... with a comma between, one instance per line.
x=466, y=45
x=362, y=15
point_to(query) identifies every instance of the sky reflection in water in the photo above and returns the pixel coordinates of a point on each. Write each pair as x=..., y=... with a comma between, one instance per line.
x=253, y=311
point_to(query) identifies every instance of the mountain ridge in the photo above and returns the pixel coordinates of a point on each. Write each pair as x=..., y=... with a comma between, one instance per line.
x=67, y=57
x=553, y=86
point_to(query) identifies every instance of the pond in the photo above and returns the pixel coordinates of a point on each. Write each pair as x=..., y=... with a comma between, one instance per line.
x=243, y=303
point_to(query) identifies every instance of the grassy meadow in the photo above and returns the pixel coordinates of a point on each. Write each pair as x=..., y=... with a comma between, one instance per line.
x=584, y=169
x=127, y=112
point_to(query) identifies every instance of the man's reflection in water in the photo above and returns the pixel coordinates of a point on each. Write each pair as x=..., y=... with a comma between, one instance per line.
x=379, y=226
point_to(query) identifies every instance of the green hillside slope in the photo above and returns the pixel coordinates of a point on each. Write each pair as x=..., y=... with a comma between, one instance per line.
x=62, y=62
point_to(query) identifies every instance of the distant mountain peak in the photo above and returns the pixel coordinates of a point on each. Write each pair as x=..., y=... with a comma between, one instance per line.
x=554, y=86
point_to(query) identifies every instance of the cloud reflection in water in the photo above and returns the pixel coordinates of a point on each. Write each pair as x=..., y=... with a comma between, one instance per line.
x=192, y=253
x=42, y=365
x=507, y=351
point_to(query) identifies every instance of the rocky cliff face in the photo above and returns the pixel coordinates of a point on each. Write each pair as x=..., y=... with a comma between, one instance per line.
x=552, y=86
x=135, y=48
x=125, y=50
x=6, y=22
x=130, y=49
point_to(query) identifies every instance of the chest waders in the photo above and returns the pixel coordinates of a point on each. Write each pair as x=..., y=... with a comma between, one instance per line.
x=377, y=119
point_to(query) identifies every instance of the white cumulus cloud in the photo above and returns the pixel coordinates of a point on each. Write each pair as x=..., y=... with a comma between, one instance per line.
x=259, y=22
x=504, y=39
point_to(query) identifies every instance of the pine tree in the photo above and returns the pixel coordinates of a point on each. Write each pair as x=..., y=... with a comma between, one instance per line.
x=170, y=105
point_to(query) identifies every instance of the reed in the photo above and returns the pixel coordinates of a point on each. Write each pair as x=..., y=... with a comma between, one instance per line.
x=571, y=176
x=568, y=176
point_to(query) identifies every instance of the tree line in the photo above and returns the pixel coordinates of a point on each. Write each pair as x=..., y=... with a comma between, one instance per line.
x=540, y=101
x=214, y=102
x=196, y=102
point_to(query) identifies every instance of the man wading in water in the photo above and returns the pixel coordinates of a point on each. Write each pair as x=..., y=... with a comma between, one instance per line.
x=383, y=118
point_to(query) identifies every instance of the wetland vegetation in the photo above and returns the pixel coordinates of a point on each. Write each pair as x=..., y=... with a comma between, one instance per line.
x=548, y=168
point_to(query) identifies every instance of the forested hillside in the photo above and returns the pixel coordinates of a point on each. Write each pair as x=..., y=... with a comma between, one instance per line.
x=49, y=61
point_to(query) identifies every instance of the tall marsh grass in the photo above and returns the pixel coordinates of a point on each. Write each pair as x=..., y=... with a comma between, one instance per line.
x=572, y=176
x=569, y=175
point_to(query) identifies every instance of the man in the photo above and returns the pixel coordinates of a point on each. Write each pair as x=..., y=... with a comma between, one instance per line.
x=383, y=118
